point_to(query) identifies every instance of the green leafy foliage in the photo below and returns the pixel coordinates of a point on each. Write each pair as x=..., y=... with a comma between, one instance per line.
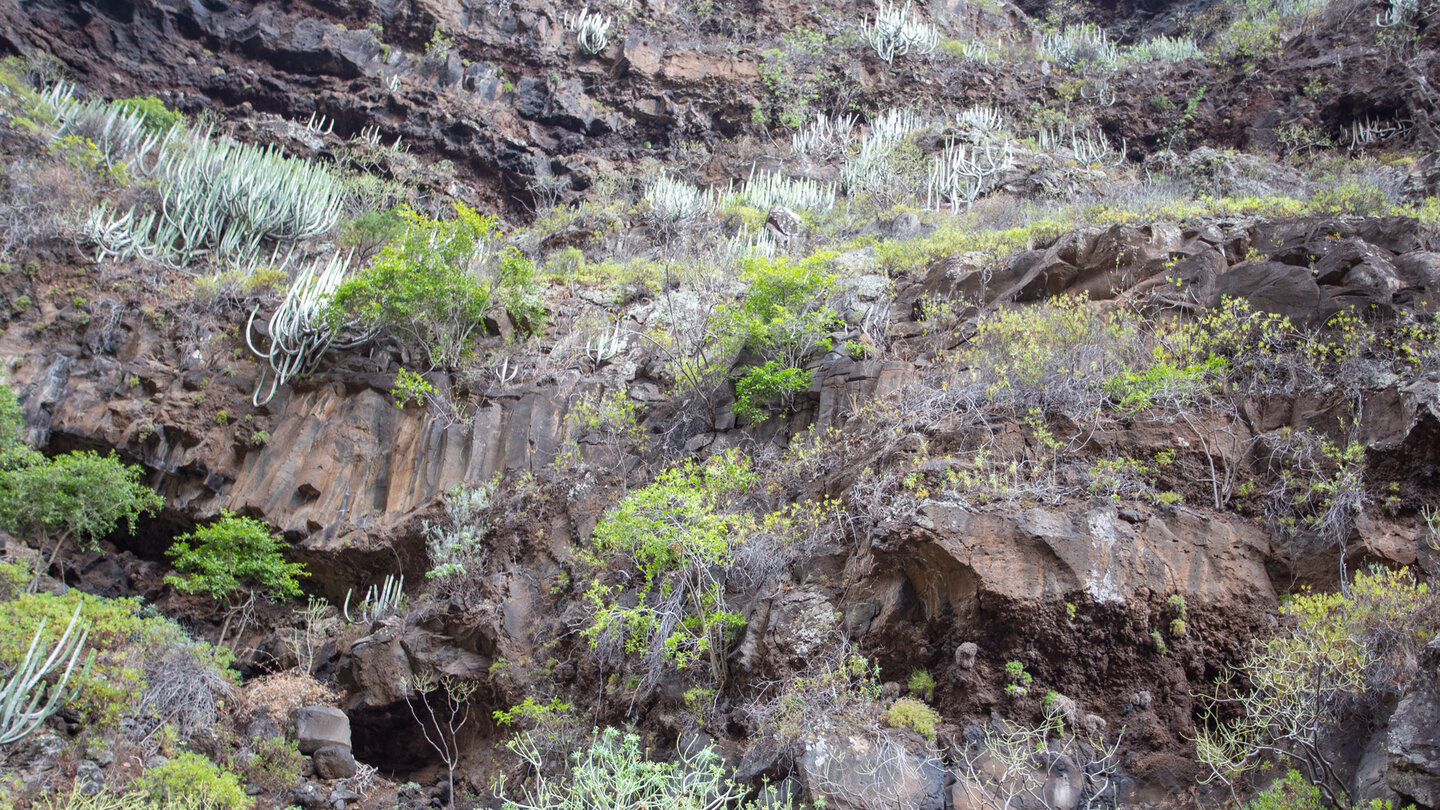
x=921, y=684
x=81, y=495
x=410, y=387
x=1293, y=792
x=914, y=715
x=784, y=317
x=765, y=384
x=675, y=533
x=372, y=229
x=232, y=554
x=156, y=116
x=795, y=78
x=432, y=286
x=191, y=777
x=14, y=453
x=274, y=763
x=126, y=642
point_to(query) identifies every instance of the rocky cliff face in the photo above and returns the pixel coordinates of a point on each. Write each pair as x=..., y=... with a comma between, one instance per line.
x=1078, y=592
x=1075, y=584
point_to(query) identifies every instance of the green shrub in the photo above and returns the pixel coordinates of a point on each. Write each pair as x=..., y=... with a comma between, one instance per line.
x=274, y=763
x=674, y=532
x=157, y=117
x=786, y=311
x=765, y=384
x=432, y=286
x=410, y=387
x=372, y=229
x=193, y=778
x=1293, y=792
x=784, y=318
x=80, y=495
x=126, y=642
x=1351, y=199
x=915, y=715
x=234, y=554
x=1018, y=680
x=1053, y=358
x=922, y=684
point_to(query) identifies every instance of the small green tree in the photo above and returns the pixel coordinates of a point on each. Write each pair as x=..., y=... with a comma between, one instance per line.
x=432, y=285
x=81, y=495
x=785, y=317
x=680, y=534
x=237, y=560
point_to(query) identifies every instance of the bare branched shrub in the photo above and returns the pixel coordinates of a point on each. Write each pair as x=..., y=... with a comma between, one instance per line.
x=182, y=689
x=1053, y=358
x=1337, y=657
x=1317, y=492
x=837, y=698
x=1008, y=764
x=313, y=625
x=838, y=693
x=440, y=705
x=278, y=695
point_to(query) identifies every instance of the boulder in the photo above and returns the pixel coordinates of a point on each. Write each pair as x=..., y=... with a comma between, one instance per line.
x=310, y=796
x=563, y=105
x=317, y=727
x=334, y=762
x=1282, y=289
x=965, y=655
x=1370, y=773
x=1414, y=743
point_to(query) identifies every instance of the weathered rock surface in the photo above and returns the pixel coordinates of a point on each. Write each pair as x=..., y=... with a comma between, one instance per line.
x=1414, y=742
x=318, y=727
x=334, y=762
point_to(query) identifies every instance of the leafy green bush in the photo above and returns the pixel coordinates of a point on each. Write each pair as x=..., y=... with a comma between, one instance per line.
x=921, y=684
x=1338, y=657
x=233, y=554
x=784, y=318
x=1293, y=792
x=1352, y=198
x=192, y=778
x=14, y=453
x=764, y=384
x=915, y=715
x=432, y=285
x=274, y=763
x=157, y=117
x=411, y=387
x=678, y=533
x=127, y=645
x=80, y=495
x=370, y=230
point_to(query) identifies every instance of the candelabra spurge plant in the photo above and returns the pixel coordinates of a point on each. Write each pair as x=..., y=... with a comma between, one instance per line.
x=26, y=700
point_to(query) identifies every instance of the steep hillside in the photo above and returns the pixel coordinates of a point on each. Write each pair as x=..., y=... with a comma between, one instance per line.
x=958, y=405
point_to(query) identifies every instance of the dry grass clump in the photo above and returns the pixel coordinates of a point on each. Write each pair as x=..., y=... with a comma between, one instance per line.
x=279, y=694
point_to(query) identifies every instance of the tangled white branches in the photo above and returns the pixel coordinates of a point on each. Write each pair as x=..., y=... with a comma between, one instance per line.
x=300, y=331
x=592, y=30
x=895, y=32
